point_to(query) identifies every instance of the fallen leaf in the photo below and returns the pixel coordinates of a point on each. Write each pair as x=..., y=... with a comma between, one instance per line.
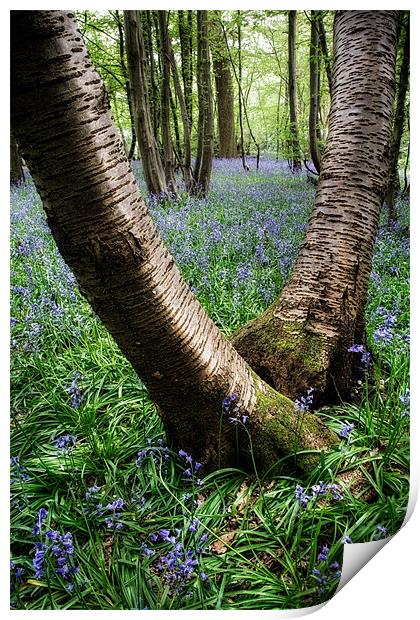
x=219, y=546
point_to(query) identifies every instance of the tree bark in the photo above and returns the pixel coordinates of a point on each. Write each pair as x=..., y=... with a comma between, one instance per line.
x=153, y=79
x=136, y=61
x=16, y=169
x=325, y=53
x=295, y=159
x=314, y=55
x=302, y=340
x=186, y=166
x=63, y=124
x=185, y=26
x=124, y=71
x=399, y=119
x=224, y=92
x=204, y=159
x=165, y=56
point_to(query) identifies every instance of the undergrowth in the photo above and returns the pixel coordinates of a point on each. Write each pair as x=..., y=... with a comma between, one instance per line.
x=102, y=514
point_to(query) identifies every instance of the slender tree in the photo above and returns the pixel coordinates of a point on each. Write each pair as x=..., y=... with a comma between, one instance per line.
x=16, y=169
x=153, y=79
x=303, y=339
x=186, y=165
x=185, y=29
x=324, y=49
x=123, y=267
x=204, y=159
x=121, y=49
x=165, y=55
x=224, y=91
x=295, y=160
x=314, y=56
x=136, y=60
x=399, y=118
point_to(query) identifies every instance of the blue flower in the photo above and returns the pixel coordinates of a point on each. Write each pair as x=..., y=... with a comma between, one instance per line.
x=346, y=430
x=304, y=403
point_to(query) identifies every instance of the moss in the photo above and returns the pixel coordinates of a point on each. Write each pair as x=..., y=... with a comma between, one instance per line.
x=278, y=432
x=286, y=340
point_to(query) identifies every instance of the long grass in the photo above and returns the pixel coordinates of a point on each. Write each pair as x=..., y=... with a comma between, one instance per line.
x=88, y=447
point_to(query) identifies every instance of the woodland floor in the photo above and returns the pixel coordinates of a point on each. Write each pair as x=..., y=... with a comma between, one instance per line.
x=122, y=526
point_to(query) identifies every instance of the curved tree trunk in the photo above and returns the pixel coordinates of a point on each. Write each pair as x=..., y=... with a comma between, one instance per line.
x=165, y=103
x=16, y=169
x=136, y=61
x=294, y=136
x=204, y=159
x=224, y=92
x=399, y=120
x=302, y=340
x=64, y=127
x=314, y=52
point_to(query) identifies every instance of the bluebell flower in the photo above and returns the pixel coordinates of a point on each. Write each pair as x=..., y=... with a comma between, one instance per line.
x=323, y=555
x=304, y=403
x=346, y=430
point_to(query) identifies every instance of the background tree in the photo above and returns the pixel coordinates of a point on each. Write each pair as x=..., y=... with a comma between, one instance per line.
x=16, y=169
x=137, y=71
x=314, y=67
x=400, y=115
x=165, y=55
x=204, y=158
x=224, y=91
x=124, y=269
x=294, y=136
x=303, y=339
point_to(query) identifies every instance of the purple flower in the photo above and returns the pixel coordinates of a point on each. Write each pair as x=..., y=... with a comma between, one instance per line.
x=346, y=540
x=346, y=430
x=304, y=403
x=323, y=555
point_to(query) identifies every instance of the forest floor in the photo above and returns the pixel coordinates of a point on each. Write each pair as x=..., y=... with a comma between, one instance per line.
x=102, y=516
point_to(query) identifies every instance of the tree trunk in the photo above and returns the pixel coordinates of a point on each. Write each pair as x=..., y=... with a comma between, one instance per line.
x=153, y=79
x=399, y=119
x=186, y=167
x=165, y=56
x=124, y=71
x=224, y=92
x=136, y=60
x=185, y=40
x=325, y=53
x=302, y=340
x=314, y=63
x=204, y=159
x=123, y=267
x=294, y=136
x=16, y=169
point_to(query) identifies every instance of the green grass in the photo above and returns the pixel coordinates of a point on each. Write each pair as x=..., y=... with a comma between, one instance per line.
x=261, y=546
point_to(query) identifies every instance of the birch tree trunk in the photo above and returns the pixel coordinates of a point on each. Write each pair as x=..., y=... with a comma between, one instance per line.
x=136, y=61
x=104, y=232
x=302, y=340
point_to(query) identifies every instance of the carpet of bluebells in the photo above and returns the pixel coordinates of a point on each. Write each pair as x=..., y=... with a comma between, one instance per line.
x=104, y=513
